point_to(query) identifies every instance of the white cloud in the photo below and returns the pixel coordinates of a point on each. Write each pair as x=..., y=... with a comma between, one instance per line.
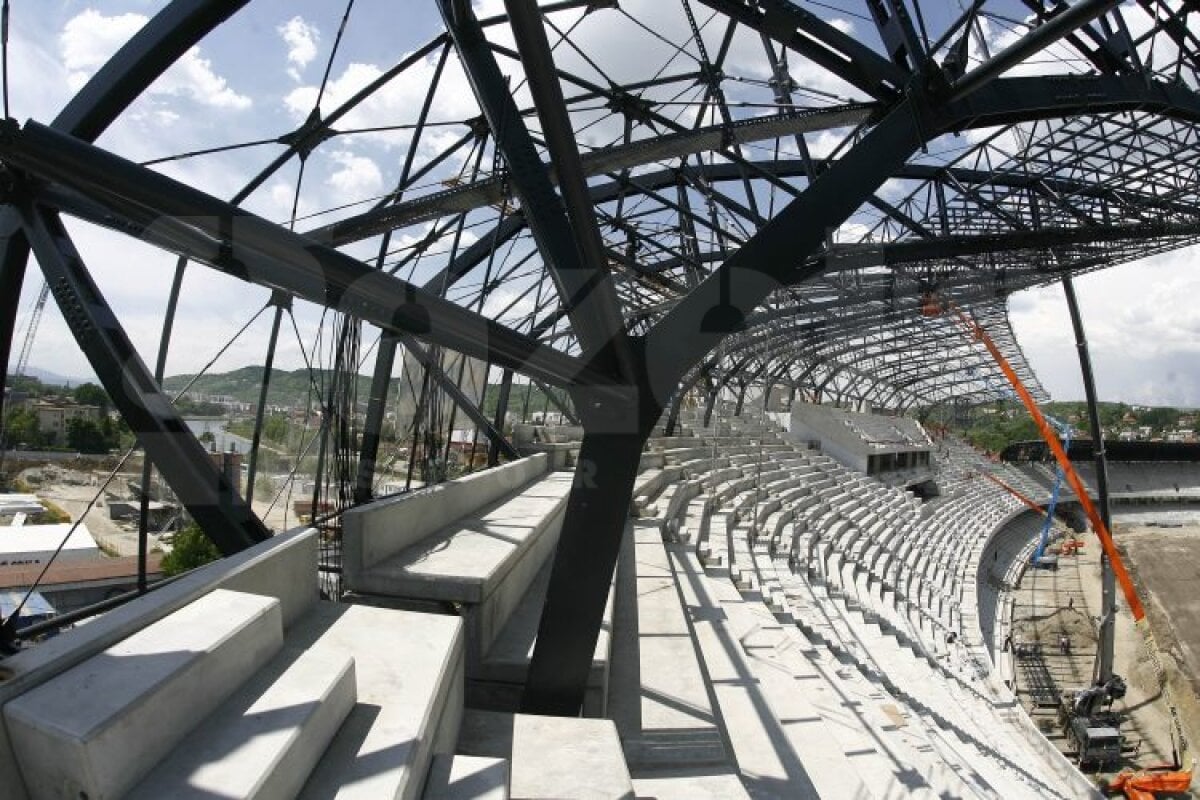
x=358, y=177
x=301, y=39
x=37, y=81
x=90, y=38
x=1142, y=333
x=396, y=103
x=507, y=304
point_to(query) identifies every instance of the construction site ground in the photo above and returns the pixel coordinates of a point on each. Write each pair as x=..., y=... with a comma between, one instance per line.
x=1165, y=563
x=73, y=489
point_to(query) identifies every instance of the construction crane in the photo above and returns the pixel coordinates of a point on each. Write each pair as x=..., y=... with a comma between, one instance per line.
x=1039, y=558
x=1096, y=743
x=31, y=329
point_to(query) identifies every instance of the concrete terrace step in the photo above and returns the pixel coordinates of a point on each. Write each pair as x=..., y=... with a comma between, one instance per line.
x=467, y=778
x=560, y=757
x=485, y=561
x=97, y=729
x=464, y=561
x=497, y=682
x=266, y=739
x=410, y=698
x=944, y=771
x=660, y=701
x=691, y=787
x=766, y=762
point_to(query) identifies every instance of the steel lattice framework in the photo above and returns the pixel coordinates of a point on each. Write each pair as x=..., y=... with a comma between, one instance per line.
x=758, y=199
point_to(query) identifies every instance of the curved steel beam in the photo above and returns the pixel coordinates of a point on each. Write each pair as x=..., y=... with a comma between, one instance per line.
x=137, y=64
x=232, y=240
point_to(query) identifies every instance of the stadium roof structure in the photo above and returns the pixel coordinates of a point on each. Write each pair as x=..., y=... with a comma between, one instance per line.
x=624, y=201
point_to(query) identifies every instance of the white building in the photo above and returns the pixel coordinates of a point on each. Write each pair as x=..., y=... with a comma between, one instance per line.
x=892, y=448
x=35, y=544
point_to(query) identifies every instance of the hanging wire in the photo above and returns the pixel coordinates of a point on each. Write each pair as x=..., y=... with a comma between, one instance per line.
x=8, y=626
x=337, y=40
x=4, y=54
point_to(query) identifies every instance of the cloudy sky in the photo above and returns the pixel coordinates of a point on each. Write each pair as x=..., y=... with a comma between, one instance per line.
x=259, y=78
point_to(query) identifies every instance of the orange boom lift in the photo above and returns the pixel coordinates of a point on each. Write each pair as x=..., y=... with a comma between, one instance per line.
x=1143, y=784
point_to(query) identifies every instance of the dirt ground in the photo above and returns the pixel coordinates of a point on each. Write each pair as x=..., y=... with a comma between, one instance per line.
x=1166, y=566
x=74, y=489
x=1165, y=563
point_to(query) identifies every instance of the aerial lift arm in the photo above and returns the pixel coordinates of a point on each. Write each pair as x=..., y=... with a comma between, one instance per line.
x=1141, y=785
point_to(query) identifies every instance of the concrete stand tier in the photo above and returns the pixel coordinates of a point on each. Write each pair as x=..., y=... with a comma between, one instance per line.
x=98, y=728
x=560, y=757
x=497, y=683
x=484, y=561
x=263, y=743
x=410, y=676
x=467, y=778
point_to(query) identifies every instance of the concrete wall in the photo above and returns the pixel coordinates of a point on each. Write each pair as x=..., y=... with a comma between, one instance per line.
x=1059, y=764
x=283, y=567
x=371, y=533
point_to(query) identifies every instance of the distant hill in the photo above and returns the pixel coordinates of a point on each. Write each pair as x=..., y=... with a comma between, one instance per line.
x=54, y=379
x=291, y=388
x=999, y=425
x=288, y=388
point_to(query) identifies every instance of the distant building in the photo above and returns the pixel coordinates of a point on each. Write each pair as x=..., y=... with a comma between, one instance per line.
x=14, y=398
x=30, y=610
x=27, y=545
x=75, y=584
x=226, y=401
x=27, y=505
x=463, y=439
x=230, y=465
x=896, y=447
x=55, y=415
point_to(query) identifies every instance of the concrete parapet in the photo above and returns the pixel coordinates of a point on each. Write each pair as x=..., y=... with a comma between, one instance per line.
x=98, y=728
x=370, y=532
x=264, y=742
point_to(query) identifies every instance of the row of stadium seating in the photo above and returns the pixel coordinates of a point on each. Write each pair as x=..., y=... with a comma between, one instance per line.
x=779, y=625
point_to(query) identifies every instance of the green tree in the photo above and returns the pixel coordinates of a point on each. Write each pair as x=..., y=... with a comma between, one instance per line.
x=1160, y=418
x=90, y=394
x=87, y=436
x=275, y=428
x=22, y=429
x=191, y=549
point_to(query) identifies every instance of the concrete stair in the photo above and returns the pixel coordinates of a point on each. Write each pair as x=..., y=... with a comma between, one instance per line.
x=266, y=739
x=660, y=700
x=97, y=729
x=563, y=757
x=460, y=777
x=217, y=699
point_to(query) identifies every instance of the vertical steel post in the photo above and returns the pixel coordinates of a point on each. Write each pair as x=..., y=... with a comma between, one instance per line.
x=385, y=361
x=673, y=413
x=281, y=301
x=14, y=254
x=160, y=368
x=501, y=415
x=593, y=527
x=1108, y=585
